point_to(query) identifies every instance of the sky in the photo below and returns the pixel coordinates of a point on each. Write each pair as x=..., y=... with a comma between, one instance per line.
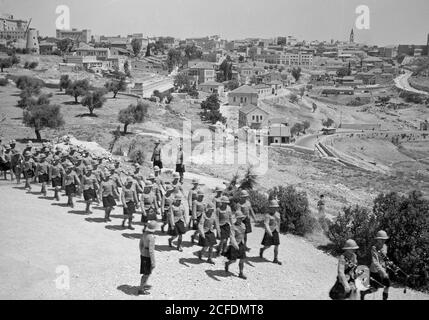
x=391, y=21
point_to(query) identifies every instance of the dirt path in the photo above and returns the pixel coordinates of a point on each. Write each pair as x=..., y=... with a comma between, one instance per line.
x=38, y=235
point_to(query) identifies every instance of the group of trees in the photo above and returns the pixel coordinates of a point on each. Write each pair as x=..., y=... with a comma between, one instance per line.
x=38, y=113
x=116, y=85
x=296, y=73
x=226, y=70
x=299, y=127
x=8, y=62
x=328, y=122
x=183, y=84
x=211, y=110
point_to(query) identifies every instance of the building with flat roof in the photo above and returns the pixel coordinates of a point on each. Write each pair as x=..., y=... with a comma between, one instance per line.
x=75, y=34
x=243, y=95
x=11, y=28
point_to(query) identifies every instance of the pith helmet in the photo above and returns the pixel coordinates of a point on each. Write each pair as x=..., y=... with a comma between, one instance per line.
x=224, y=199
x=176, y=175
x=218, y=189
x=244, y=194
x=195, y=181
x=156, y=169
x=381, y=235
x=350, y=245
x=274, y=204
x=178, y=197
x=151, y=226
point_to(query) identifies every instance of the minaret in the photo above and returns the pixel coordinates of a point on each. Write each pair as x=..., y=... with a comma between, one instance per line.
x=352, y=36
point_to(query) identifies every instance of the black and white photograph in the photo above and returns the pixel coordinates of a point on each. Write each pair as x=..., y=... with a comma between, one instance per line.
x=205, y=150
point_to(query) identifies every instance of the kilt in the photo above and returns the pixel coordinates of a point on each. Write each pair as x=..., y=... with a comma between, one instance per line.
x=109, y=201
x=338, y=292
x=180, y=168
x=145, y=265
x=271, y=241
x=89, y=194
x=234, y=254
x=195, y=223
x=376, y=276
x=29, y=174
x=157, y=163
x=56, y=182
x=246, y=222
x=150, y=215
x=43, y=178
x=70, y=189
x=178, y=229
x=225, y=231
x=5, y=166
x=131, y=208
x=208, y=241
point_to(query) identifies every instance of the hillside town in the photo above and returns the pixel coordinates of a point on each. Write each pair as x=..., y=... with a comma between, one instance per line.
x=218, y=144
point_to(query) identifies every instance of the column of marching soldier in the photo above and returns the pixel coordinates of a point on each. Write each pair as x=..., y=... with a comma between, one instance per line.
x=100, y=179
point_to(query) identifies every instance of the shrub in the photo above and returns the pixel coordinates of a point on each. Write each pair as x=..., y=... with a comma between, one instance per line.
x=3, y=82
x=137, y=155
x=259, y=201
x=356, y=223
x=406, y=220
x=294, y=210
x=31, y=65
x=32, y=85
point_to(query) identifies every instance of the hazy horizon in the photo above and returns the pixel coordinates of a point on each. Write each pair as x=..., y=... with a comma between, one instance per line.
x=392, y=22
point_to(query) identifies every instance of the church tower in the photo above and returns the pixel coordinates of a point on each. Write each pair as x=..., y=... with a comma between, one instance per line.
x=352, y=36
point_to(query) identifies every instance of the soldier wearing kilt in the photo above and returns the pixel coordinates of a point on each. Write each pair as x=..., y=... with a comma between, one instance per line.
x=42, y=173
x=198, y=208
x=180, y=166
x=15, y=161
x=246, y=207
x=27, y=167
x=116, y=178
x=156, y=185
x=177, y=185
x=79, y=168
x=167, y=201
x=237, y=248
x=129, y=200
x=90, y=187
x=56, y=173
x=206, y=226
x=378, y=268
x=5, y=166
x=224, y=215
x=218, y=197
x=156, y=156
x=139, y=179
x=344, y=287
x=192, y=194
x=70, y=182
x=149, y=205
x=108, y=194
x=272, y=229
x=177, y=219
x=147, y=256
